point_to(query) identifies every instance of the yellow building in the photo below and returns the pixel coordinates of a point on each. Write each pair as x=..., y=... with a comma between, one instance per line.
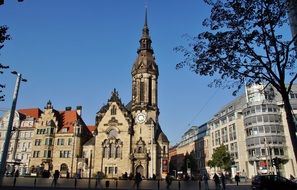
x=129, y=137
x=58, y=140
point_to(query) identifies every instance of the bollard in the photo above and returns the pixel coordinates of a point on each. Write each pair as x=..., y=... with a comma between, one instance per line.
x=178, y=185
x=35, y=182
x=116, y=184
x=158, y=184
x=75, y=183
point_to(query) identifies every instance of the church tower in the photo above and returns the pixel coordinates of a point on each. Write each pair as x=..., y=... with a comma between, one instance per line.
x=129, y=138
x=150, y=144
x=145, y=76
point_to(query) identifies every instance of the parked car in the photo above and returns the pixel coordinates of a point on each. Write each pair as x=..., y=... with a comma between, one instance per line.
x=267, y=182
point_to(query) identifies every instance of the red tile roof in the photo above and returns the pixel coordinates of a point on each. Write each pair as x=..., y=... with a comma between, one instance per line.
x=32, y=112
x=68, y=119
x=91, y=128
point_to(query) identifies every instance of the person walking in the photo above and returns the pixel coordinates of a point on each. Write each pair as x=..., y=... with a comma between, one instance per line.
x=168, y=180
x=205, y=179
x=237, y=179
x=199, y=181
x=97, y=179
x=137, y=179
x=56, y=177
x=223, y=181
x=217, y=181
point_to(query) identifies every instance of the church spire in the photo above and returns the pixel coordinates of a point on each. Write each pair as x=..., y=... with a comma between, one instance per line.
x=145, y=30
x=145, y=41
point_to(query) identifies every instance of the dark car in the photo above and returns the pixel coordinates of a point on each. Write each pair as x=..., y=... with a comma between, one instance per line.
x=272, y=182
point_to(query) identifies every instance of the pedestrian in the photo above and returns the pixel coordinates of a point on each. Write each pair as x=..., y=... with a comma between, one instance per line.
x=137, y=179
x=67, y=175
x=168, y=180
x=16, y=173
x=237, y=179
x=223, y=181
x=199, y=181
x=217, y=181
x=97, y=179
x=56, y=176
x=205, y=179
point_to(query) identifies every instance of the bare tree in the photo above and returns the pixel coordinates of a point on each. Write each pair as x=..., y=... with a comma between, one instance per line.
x=246, y=44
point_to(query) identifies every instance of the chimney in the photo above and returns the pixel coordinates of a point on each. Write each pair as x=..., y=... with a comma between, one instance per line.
x=68, y=108
x=79, y=110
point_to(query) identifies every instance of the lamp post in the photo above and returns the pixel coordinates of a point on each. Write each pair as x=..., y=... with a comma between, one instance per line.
x=10, y=123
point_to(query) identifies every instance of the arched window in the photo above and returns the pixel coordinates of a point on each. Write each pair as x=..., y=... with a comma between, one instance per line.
x=141, y=91
x=118, y=152
x=139, y=150
x=106, y=152
x=112, y=150
x=64, y=167
x=113, y=133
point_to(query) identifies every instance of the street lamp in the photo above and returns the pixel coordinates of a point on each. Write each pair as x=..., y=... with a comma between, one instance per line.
x=10, y=123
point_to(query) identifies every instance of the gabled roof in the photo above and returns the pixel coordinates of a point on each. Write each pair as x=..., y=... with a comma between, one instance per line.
x=67, y=119
x=32, y=112
x=114, y=98
x=90, y=142
x=91, y=128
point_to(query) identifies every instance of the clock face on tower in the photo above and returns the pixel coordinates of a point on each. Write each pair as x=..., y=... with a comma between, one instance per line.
x=140, y=118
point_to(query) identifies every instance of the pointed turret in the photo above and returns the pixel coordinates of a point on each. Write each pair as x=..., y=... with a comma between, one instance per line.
x=145, y=41
x=145, y=74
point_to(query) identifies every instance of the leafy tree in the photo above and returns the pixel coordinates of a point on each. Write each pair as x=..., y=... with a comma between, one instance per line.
x=190, y=162
x=221, y=158
x=3, y=36
x=245, y=44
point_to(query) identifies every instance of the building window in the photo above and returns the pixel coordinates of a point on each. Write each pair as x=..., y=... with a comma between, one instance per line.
x=70, y=141
x=224, y=135
x=232, y=132
x=37, y=142
x=118, y=152
x=47, y=154
x=60, y=142
x=112, y=150
x=141, y=91
x=64, y=130
x=36, y=154
x=65, y=154
x=105, y=152
x=150, y=91
x=110, y=170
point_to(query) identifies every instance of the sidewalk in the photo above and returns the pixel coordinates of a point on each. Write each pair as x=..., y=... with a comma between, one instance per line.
x=110, y=184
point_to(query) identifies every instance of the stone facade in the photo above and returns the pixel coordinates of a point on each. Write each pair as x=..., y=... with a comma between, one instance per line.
x=57, y=142
x=19, y=153
x=129, y=137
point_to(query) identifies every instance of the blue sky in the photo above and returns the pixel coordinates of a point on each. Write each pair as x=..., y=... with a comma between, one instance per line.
x=74, y=52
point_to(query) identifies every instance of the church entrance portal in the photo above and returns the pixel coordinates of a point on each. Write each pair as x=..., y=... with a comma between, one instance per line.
x=140, y=170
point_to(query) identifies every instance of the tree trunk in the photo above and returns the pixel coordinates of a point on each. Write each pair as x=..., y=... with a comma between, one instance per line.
x=290, y=121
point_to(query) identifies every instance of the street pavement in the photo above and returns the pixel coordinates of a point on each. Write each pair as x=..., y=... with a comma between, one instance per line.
x=84, y=184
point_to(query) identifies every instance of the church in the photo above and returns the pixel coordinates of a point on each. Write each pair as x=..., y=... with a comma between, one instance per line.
x=128, y=138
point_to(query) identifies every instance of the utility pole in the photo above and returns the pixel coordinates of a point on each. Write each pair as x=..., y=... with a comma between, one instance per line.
x=9, y=127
